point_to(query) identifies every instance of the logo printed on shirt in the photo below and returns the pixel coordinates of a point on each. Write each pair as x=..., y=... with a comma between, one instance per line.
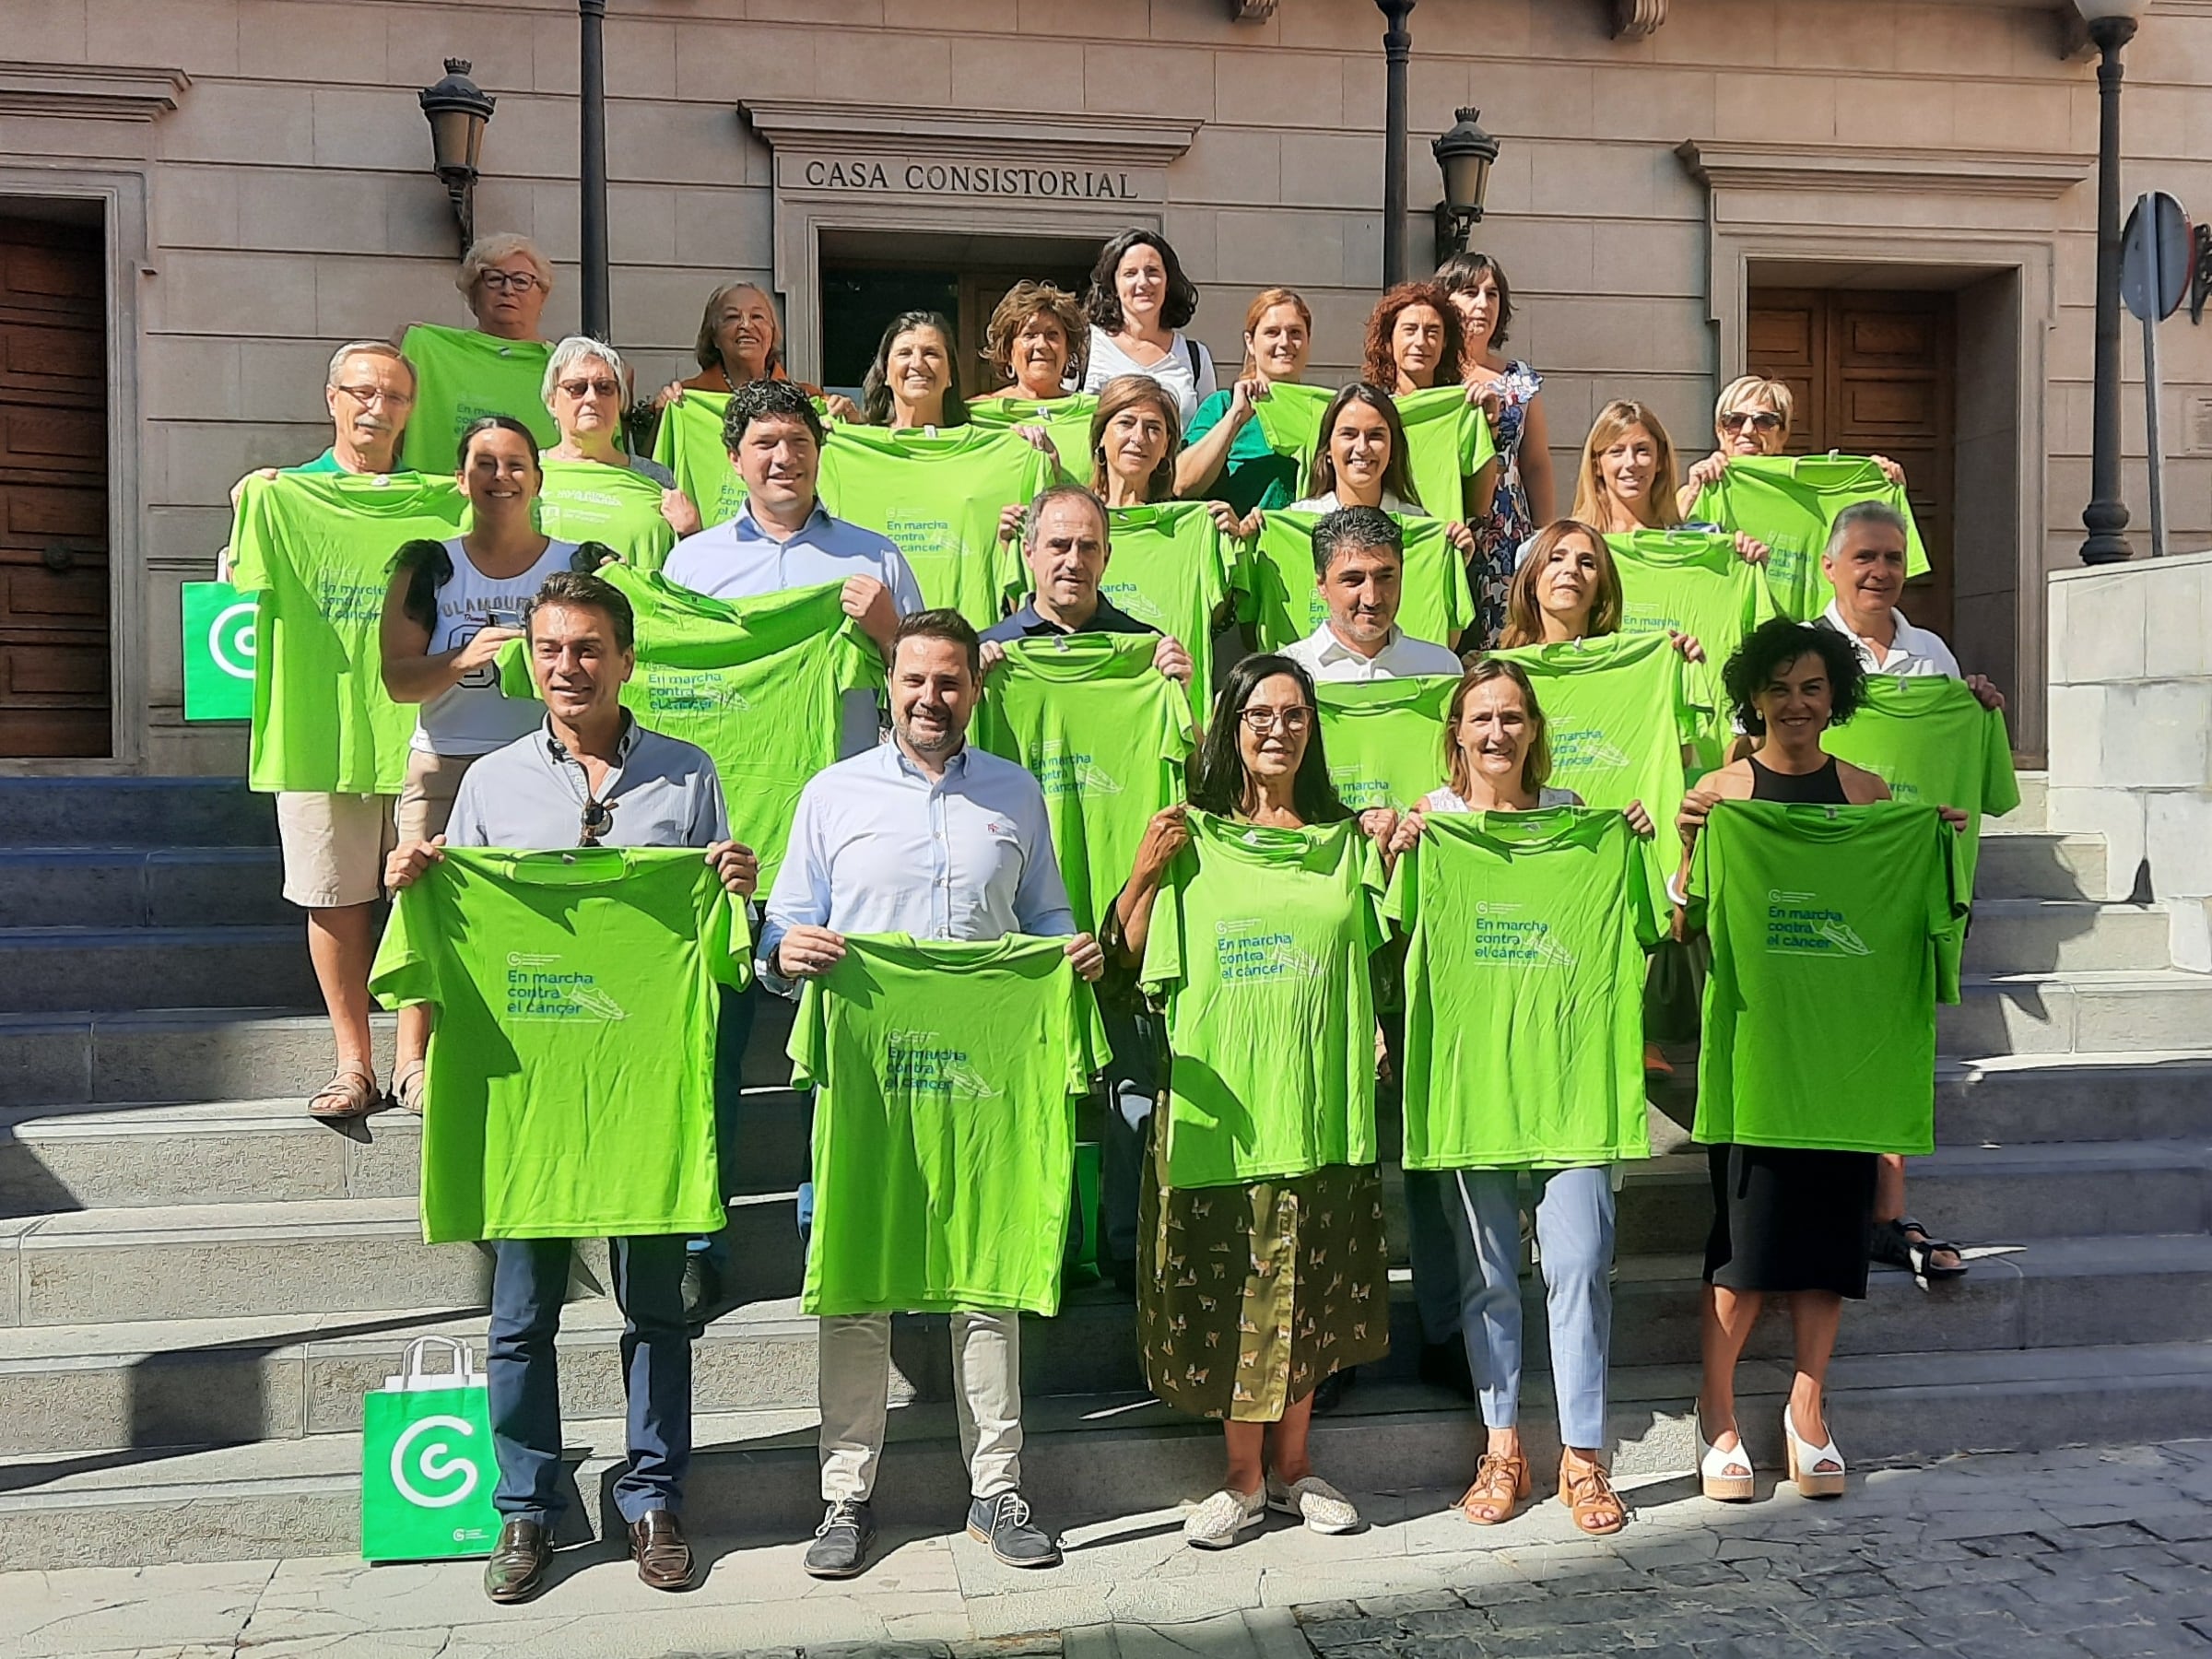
x=1357, y=790
x=1800, y=925
x=1062, y=772
x=1247, y=951
x=690, y=691
x=1126, y=595
x=1586, y=749
x=1501, y=937
x=536, y=991
x=922, y=1063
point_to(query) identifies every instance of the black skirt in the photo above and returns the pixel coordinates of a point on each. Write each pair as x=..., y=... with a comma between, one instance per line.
x=1785, y=1219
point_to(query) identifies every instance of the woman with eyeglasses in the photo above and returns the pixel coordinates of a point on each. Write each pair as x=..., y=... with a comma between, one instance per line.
x=586, y=387
x=1262, y=1267
x=1752, y=417
x=497, y=365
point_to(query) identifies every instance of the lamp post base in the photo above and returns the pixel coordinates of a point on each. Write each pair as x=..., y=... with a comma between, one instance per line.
x=2105, y=544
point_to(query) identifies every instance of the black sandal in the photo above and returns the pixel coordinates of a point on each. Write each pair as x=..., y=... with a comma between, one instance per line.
x=1892, y=1243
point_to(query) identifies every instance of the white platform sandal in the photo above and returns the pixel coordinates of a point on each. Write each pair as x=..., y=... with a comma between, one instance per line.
x=1724, y=1477
x=1805, y=1459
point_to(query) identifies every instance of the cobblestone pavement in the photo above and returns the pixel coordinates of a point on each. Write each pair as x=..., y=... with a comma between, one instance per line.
x=2104, y=1554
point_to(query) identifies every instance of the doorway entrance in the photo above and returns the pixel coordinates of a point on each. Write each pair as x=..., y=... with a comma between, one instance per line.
x=55, y=596
x=1874, y=372
x=963, y=276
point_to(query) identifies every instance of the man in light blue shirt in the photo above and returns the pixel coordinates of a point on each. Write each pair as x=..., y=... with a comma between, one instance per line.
x=929, y=837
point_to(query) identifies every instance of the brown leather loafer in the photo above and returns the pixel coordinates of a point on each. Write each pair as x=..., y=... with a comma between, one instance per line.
x=517, y=1568
x=664, y=1558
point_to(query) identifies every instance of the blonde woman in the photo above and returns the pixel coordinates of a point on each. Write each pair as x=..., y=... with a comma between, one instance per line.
x=1629, y=480
x=1752, y=417
x=1224, y=444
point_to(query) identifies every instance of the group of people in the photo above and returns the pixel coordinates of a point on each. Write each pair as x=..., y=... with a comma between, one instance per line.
x=450, y=665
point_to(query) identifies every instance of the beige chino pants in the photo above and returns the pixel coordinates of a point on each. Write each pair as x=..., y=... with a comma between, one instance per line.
x=855, y=1389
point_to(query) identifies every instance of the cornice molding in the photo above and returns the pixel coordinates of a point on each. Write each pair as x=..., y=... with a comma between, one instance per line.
x=1948, y=172
x=810, y=125
x=90, y=91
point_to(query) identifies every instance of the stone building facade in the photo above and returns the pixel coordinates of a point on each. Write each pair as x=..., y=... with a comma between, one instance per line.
x=1890, y=200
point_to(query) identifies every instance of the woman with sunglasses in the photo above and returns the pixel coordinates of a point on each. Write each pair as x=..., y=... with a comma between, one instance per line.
x=586, y=386
x=1752, y=417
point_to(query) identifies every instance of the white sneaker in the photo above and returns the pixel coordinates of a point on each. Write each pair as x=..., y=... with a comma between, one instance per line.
x=1320, y=1505
x=1214, y=1523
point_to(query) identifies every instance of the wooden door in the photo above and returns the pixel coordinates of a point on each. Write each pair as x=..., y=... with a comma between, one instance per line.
x=1874, y=372
x=53, y=495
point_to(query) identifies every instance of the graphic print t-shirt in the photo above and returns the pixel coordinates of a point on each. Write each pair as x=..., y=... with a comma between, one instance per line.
x=461, y=375
x=1105, y=735
x=570, y=1091
x=1169, y=570
x=1384, y=738
x=585, y=500
x=690, y=445
x=1789, y=502
x=1282, y=602
x=1821, y=1010
x=944, y=1122
x=1447, y=442
x=1066, y=420
x=1695, y=582
x=1259, y=943
x=759, y=684
x=316, y=549
x=1930, y=740
x=1523, y=989
x=938, y=495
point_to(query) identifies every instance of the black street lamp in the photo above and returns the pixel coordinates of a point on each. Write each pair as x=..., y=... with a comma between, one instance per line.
x=2111, y=26
x=458, y=111
x=1463, y=156
x=591, y=153
x=1397, y=50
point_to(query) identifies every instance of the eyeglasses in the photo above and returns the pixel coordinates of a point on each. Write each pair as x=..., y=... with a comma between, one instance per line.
x=369, y=395
x=598, y=388
x=598, y=818
x=1764, y=421
x=508, y=282
x=1260, y=721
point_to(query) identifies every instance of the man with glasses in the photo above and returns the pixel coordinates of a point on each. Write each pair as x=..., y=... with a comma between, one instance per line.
x=590, y=776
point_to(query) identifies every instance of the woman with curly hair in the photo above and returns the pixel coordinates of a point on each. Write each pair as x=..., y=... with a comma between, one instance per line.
x=1139, y=301
x=1414, y=339
x=1035, y=347
x=1414, y=350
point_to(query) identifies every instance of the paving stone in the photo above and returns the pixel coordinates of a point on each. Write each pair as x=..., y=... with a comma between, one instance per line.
x=1343, y=1632
x=2141, y=1641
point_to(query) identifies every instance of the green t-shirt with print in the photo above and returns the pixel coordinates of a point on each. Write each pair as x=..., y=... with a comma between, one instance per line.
x=1259, y=945
x=1695, y=582
x=1284, y=424
x=759, y=684
x=1280, y=598
x=571, y=1088
x=1169, y=570
x=1789, y=502
x=1525, y=972
x=586, y=500
x=938, y=495
x=689, y=444
x=1930, y=740
x=1105, y=735
x=1618, y=712
x=1385, y=737
x=946, y=1076
x=462, y=374
x=316, y=549
x=1447, y=442
x=1066, y=420
x=1827, y=925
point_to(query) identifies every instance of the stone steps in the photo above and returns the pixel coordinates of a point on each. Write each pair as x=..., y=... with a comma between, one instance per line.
x=2039, y=863
x=2075, y=1012
x=2067, y=936
x=1097, y=1456
x=138, y=887
x=45, y=970
x=134, y=812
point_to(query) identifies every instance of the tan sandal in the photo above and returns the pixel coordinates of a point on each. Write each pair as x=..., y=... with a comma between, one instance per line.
x=1587, y=1492
x=351, y=1093
x=406, y=1087
x=1501, y=1483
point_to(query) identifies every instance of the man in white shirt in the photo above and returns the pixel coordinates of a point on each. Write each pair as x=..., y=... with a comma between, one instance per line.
x=923, y=835
x=1865, y=564
x=1359, y=567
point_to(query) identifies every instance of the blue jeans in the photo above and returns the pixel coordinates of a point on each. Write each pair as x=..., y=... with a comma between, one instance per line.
x=529, y=1281
x=1575, y=1241
x=733, y=1033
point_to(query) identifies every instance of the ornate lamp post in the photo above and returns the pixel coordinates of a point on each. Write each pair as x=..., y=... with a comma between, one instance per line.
x=2111, y=26
x=1397, y=50
x=458, y=111
x=1463, y=156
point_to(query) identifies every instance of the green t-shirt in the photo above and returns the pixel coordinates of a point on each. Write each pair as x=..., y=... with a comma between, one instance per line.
x=690, y=445
x=1616, y=713
x=328, y=462
x=1447, y=441
x=1169, y=571
x=944, y=1122
x=1105, y=735
x=757, y=683
x=1385, y=737
x=1789, y=502
x=938, y=495
x=1259, y=946
x=1820, y=1006
x=1280, y=598
x=1523, y=989
x=570, y=1091
x=1256, y=472
x=1066, y=420
x=317, y=550
x=462, y=374
x=1930, y=740
x=585, y=500
x=1695, y=582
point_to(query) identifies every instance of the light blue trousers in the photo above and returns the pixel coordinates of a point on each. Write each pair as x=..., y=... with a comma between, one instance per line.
x=1574, y=1247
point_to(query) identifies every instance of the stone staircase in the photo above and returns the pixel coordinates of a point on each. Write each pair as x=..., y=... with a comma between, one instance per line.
x=197, y=1283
